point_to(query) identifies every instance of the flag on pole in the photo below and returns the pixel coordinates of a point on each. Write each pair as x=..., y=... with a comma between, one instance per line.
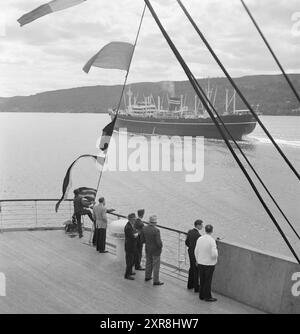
x=67, y=183
x=106, y=135
x=48, y=8
x=115, y=55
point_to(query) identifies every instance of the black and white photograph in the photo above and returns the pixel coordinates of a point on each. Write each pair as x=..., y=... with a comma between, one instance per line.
x=149, y=160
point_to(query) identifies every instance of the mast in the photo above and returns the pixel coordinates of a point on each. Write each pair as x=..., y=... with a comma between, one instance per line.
x=216, y=91
x=129, y=93
x=226, y=102
x=234, y=101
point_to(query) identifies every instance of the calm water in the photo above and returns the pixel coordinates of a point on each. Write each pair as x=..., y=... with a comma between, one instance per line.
x=36, y=149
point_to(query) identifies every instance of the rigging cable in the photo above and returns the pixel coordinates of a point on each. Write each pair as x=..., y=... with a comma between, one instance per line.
x=246, y=159
x=198, y=92
x=238, y=90
x=271, y=51
x=239, y=148
x=124, y=85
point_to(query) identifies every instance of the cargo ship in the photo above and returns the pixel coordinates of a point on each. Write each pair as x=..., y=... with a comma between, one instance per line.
x=152, y=118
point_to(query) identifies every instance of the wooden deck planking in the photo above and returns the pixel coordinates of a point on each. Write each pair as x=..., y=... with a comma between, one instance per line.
x=48, y=272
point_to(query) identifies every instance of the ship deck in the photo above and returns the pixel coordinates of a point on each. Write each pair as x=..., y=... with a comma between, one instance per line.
x=49, y=272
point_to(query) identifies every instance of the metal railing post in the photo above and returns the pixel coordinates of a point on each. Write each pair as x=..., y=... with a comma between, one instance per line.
x=181, y=260
x=36, y=213
x=178, y=252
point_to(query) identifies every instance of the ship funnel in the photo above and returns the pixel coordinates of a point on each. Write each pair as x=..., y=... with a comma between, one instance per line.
x=169, y=87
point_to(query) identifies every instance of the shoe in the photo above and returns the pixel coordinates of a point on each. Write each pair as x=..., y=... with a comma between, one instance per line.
x=132, y=274
x=129, y=277
x=196, y=290
x=211, y=299
x=148, y=279
x=158, y=283
x=103, y=251
x=140, y=268
x=80, y=236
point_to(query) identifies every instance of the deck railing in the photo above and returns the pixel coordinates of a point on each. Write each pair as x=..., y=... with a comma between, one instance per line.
x=32, y=214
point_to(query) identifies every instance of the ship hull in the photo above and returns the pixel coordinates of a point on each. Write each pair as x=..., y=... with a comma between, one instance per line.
x=238, y=125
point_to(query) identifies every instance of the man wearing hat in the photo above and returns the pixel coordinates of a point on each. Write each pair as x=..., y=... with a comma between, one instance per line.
x=130, y=245
x=139, y=227
x=152, y=239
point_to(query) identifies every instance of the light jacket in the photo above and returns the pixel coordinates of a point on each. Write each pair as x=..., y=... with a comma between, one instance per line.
x=206, y=252
x=100, y=216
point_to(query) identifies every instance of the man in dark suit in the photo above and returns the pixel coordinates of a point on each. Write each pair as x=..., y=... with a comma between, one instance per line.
x=130, y=245
x=151, y=236
x=81, y=206
x=191, y=240
x=139, y=227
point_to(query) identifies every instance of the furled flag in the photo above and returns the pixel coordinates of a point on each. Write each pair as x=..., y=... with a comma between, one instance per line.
x=67, y=179
x=106, y=135
x=115, y=55
x=48, y=8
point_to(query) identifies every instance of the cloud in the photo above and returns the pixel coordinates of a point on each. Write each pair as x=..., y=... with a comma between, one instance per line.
x=49, y=53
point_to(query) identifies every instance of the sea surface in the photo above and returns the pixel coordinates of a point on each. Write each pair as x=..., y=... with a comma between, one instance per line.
x=36, y=150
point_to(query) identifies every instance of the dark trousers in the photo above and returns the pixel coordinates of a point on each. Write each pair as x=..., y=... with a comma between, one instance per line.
x=152, y=265
x=100, y=239
x=79, y=225
x=206, y=275
x=130, y=257
x=193, y=280
x=78, y=219
x=94, y=236
x=138, y=254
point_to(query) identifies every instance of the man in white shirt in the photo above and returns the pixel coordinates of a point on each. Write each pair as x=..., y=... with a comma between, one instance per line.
x=206, y=255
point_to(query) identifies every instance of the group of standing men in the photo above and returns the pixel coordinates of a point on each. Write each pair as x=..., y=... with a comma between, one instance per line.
x=137, y=234
x=202, y=250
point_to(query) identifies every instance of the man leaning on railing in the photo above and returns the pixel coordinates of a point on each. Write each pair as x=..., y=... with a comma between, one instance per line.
x=80, y=210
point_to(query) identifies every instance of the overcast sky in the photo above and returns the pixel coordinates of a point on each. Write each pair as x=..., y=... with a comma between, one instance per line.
x=49, y=53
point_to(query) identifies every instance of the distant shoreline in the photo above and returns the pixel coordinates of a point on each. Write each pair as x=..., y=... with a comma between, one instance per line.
x=269, y=93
